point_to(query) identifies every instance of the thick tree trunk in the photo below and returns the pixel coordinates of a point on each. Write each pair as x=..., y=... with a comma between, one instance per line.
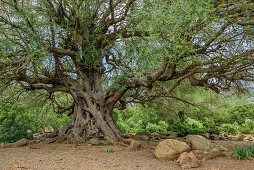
x=91, y=118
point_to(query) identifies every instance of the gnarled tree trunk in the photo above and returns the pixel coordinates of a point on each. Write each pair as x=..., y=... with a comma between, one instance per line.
x=91, y=118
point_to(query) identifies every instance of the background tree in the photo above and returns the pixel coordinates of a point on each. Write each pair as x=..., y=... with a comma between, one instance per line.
x=106, y=51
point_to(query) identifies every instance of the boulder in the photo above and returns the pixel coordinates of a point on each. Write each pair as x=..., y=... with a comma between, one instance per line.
x=198, y=142
x=48, y=129
x=170, y=149
x=200, y=155
x=142, y=136
x=94, y=141
x=169, y=134
x=6, y=145
x=134, y=145
x=204, y=155
x=219, y=147
x=21, y=142
x=188, y=160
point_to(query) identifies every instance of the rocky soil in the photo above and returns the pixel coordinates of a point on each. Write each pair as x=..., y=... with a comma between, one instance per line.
x=86, y=156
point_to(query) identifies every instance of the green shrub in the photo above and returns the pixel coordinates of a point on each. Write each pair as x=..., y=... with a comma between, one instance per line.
x=243, y=152
x=232, y=129
x=247, y=127
x=16, y=114
x=161, y=127
x=189, y=126
x=19, y=114
x=240, y=113
x=210, y=126
x=138, y=118
x=13, y=133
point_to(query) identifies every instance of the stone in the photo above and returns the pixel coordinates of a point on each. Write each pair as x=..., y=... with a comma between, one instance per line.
x=214, y=137
x=188, y=160
x=29, y=134
x=48, y=129
x=204, y=155
x=207, y=135
x=170, y=149
x=21, y=142
x=200, y=155
x=6, y=145
x=198, y=142
x=219, y=147
x=170, y=134
x=135, y=145
x=126, y=136
x=142, y=136
x=94, y=141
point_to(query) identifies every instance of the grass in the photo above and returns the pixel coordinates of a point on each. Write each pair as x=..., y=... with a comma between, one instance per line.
x=243, y=152
x=108, y=149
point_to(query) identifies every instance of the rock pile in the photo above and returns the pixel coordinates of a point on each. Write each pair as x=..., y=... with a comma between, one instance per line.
x=190, y=153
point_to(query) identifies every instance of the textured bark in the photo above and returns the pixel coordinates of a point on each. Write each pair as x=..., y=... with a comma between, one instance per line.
x=91, y=118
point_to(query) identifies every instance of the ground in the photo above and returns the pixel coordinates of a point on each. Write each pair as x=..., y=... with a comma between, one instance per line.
x=66, y=156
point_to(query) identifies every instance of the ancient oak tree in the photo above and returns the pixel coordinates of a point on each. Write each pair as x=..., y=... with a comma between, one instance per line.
x=105, y=53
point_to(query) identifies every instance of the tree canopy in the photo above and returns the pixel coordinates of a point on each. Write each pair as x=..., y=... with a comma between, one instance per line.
x=120, y=50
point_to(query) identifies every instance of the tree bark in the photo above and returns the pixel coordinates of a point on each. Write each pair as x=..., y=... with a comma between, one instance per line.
x=91, y=118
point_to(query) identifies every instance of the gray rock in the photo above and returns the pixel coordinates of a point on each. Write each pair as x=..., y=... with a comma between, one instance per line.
x=21, y=142
x=207, y=135
x=142, y=136
x=48, y=129
x=214, y=137
x=199, y=142
x=170, y=149
x=94, y=141
x=126, y=136
x=171, y=135
x=188, y=160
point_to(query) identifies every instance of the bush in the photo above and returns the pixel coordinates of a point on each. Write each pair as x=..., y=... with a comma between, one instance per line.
x=189, y=126
x=138, y=118
x=13, y=133
x=232, y=129
x=18, y=113
x=243, y=152
x=247, y=127
x=240, y=113
x=161, y=127
x=210, y=126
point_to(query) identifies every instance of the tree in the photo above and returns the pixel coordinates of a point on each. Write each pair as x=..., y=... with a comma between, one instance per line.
x=105, y=53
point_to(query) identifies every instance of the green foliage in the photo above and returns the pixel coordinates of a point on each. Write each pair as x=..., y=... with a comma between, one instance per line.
x=16, y=114
x=232, y=129
x=247, y=127
x=138, y=118
x=162, y=126
x=243, y=152
x=111, y=150
x=13, y=133
x=189, y=126
x=240, y=113
x=18, y=117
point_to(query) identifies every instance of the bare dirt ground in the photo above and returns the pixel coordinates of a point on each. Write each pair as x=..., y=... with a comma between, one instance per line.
x=66, y=156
